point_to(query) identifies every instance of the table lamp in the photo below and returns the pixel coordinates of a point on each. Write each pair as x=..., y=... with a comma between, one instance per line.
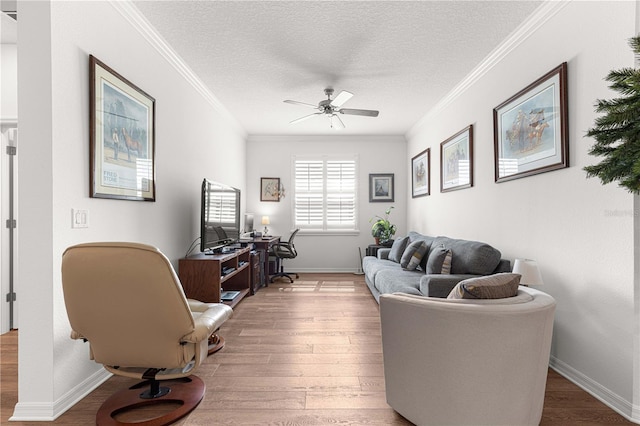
x=529, y=270
x=265, y=222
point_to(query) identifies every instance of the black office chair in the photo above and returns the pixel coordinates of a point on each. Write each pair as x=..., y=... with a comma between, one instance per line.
x=284, y=250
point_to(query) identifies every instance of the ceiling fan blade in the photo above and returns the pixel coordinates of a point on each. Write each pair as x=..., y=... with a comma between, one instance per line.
x=337, y=124
x=306, y=117
x=365, y=112
x=300, y=103
x=342, y=97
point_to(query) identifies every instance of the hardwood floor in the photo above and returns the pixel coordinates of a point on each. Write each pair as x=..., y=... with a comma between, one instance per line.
x=303, y=353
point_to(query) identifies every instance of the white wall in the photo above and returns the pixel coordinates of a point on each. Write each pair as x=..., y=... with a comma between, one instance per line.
x=56, y=40
x=271, y=156
x=580, y=232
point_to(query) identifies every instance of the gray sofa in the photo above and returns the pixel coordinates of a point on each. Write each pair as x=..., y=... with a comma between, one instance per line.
x=468, y=259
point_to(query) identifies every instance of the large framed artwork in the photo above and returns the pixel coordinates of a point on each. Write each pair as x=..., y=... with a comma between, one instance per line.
x=269, y=189
x=421, y=174
x=381, y=187
x=530, y=129
x=122, y=138
x=456, y=161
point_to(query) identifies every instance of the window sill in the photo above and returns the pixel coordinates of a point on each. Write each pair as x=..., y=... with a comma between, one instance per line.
x=318, y=232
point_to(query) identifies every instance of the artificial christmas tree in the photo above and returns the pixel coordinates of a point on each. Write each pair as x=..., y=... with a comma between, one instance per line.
x=617, y=132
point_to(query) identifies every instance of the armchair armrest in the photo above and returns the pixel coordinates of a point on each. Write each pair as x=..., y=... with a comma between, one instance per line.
x=283, y=249
x=207, y=321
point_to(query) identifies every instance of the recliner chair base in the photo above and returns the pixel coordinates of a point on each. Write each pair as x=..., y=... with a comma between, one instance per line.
x=188, y=392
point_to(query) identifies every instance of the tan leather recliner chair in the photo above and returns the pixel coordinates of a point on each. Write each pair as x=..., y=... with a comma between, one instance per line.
x=467, y=362
x=126, y=300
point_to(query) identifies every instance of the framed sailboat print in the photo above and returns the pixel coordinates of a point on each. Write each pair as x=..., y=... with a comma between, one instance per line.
x=530, y=129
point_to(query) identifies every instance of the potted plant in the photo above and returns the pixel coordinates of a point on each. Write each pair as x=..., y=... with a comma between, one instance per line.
x=383, y=230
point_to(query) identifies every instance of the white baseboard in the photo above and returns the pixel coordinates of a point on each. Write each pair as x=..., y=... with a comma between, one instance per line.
x=324, y=270
x=31, y=411
x=623, y=407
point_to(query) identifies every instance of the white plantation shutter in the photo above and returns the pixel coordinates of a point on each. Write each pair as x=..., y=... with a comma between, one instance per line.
x=325, y=194
x=309, y=188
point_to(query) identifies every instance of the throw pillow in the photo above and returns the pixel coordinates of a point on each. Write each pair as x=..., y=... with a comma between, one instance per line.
x=497, y=286
x=397, y=249
x=413, y=255
x=439, y=261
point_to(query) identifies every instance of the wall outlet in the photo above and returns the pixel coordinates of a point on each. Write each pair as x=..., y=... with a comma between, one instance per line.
x=79, y=218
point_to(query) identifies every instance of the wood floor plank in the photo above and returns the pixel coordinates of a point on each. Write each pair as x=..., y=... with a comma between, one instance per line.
x=278, y=384
x=307, y=353
x=345, y=400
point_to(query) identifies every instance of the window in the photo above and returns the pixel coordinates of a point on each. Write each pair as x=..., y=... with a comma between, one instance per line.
x=325, y=191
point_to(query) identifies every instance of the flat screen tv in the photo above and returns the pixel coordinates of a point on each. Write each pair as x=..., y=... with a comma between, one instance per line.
x=219, y=216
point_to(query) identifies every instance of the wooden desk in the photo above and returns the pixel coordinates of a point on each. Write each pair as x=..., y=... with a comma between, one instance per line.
x=264, y=245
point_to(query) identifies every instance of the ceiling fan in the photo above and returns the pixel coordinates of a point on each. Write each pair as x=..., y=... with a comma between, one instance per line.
x=332, y=107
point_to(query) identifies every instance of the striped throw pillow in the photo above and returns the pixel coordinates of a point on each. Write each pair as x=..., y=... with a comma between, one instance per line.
x=413, y=255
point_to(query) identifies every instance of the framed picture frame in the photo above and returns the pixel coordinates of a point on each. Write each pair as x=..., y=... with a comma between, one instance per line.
x=381, y=187
x=530, y=129
x=269, y=189
x=122, y=137
x=456, y=161
x=421, y=174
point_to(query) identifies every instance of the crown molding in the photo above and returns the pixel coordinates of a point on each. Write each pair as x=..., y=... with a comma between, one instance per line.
x=541, y=15
x=131, y=13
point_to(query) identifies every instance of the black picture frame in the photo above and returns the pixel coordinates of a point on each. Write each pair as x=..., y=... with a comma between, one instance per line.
x=381, y=187
x=456, y=161
x=270, y=189
x=421, y=174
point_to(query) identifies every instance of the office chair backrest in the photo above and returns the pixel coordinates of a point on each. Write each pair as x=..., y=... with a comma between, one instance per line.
x=293, y=235
x=291, y=246
x=127, y=301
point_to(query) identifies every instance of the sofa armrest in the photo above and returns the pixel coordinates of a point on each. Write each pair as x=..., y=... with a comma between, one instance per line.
x=436, y=285
x=503, y=266
x=383, y=253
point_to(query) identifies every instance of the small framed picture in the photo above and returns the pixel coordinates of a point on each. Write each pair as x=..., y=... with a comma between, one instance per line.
x=421, y=174
x=269, y=189
x=456, y=161
x=381, y=187
x=530, y=129
x=122, y=125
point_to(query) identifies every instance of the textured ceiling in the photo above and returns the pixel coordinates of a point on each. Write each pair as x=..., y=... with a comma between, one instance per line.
x=399, y=57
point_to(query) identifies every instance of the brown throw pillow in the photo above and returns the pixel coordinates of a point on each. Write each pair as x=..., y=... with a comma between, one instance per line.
x=497, y=286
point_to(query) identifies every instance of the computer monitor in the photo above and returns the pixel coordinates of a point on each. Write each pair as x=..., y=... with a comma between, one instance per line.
x=248, y=222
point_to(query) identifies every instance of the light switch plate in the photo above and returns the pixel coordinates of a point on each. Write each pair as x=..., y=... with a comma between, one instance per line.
x=79, y=218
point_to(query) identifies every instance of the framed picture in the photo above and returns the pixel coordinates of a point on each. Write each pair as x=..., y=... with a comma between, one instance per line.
x=456, y=161
x=122, y=138
x=421, y=174
x=381, y=187
x=530, y=129
x=269, y=189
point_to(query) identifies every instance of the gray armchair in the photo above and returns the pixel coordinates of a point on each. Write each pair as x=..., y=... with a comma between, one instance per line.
x=467, y=362
x=126, y=300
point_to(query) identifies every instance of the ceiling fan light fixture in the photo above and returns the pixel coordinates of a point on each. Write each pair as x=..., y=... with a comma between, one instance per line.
x=331, y=108
x=337, y=123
